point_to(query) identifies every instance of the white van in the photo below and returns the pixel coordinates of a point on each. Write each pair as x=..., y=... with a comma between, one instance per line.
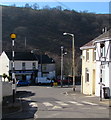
x=43, y=80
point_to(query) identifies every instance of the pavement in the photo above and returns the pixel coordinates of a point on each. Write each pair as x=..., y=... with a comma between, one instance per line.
x=21, y=109
x=90, y=98
x=25, y=106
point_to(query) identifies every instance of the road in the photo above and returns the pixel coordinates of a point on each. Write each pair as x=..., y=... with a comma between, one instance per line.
x=52, y=102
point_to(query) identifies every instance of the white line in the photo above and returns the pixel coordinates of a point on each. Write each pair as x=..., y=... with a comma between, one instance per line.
x=90, y=96
x=61, y=103
x=73, y=102
x=26, y=99
x=89, y=103
x=56, y=107
x=47, y=104
x=33, y=104
x=102, y=108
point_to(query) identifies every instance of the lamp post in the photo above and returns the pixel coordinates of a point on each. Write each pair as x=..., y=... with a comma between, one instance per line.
x=13, y=36
x=73, y=56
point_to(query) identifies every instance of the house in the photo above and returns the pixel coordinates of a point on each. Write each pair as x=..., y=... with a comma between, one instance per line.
x=46, y=66
x=103, y=62
x=96, y=64
x=88, y=68
x=26, y=65
x=4, y=65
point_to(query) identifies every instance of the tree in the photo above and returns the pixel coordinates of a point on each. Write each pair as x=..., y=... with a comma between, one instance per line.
x=46, y=7
x=27, y=5
x=13, y=5
x=35, y=6
x=58, y=7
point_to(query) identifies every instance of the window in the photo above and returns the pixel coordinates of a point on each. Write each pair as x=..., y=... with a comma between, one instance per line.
x=102, y=50
x=94, y=55
x=23, y=66
x=87, y=75
x=44, y=67
x=33, y=65
x=87, y=55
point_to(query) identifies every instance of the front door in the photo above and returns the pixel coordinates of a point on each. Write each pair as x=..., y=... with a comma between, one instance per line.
x=94, y=77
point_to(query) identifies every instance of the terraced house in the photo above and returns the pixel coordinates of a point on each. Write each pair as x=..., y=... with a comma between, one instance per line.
x=96, y=65
x=88, y=68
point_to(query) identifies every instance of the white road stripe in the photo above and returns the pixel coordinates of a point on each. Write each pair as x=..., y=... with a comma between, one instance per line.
x=56, y=107
x=29, y=99
x=61, y=103
x=76, y=103
x=47, y=104
x=102, y=108
x=89, y=103
x=33, y=104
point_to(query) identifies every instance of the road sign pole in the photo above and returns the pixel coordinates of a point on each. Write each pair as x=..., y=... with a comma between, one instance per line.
x=13, y=36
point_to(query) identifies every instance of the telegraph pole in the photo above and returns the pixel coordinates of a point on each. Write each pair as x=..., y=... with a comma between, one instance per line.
x=101, y=54
x=62, y=66
x=13, y=36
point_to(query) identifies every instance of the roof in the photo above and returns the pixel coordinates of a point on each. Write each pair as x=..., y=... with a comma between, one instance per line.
x=103, y=36
x=28, y=56
x=25, y=56
x=45, y=59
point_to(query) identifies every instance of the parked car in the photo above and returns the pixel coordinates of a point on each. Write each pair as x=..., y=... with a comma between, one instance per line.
x=43, y=80
x=65, y=81
x=23, y=82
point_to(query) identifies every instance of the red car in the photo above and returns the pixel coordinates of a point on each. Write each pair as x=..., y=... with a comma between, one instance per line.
x=66, y=81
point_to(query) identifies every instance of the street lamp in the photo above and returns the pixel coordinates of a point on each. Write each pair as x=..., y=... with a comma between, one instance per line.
x=73, y=55
x=13, y=37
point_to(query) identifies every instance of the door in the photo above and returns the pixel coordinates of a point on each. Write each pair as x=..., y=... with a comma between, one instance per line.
x=94, y=77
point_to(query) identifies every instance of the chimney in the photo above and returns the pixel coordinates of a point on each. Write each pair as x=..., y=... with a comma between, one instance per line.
x=104, y=30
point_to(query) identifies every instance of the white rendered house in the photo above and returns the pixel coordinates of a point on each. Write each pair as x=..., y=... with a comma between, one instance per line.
x=26, y=65
x=103, y=61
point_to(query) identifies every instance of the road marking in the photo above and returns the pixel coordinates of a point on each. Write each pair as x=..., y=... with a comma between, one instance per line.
x=89, y=103
x=47, y=104
x=76, y=103
x=90, y=96
x=102, y=108
x=61, y=103
x=33, y=104
x=56, y=107
x=26, y=99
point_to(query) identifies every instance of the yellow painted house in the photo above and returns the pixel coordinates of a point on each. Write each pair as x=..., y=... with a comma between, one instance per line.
x=88, y=69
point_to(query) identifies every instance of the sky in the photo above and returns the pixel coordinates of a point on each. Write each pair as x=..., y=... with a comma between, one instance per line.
x=93, y=7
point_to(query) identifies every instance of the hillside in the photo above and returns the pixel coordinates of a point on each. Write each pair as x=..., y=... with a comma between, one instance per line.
x=43, y=29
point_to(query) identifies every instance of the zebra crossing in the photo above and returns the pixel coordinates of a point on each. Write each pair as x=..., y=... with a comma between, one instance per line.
x=61, y=104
